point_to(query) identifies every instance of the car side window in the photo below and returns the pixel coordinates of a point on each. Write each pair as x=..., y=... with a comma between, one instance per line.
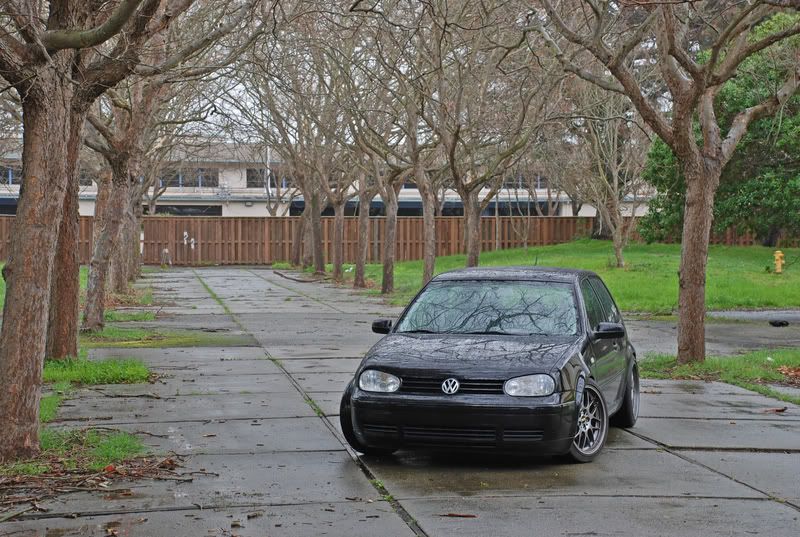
x=612, y=314
x=593, y=307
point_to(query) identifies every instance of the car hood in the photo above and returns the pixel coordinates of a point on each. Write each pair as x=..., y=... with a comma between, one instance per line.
x=469, y=356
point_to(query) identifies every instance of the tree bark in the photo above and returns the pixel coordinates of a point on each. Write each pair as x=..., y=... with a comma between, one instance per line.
x=472, y=228
x=308, y=239
x=50, y=126
x=364, y=201
x=702, y=178
x=122, y=257
x=316, y=234
x=390, y=239
x=297, y=239
x=338, y=241
x=107, y=240
x=428, y=231
x=62, y=325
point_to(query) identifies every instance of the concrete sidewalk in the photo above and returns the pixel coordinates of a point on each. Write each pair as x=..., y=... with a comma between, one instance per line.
x=259, y=426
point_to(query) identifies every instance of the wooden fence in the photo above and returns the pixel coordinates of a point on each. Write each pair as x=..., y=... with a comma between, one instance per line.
x=235, y=241
x=256, y=241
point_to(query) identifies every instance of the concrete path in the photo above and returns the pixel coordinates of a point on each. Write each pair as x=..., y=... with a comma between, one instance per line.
x=259, y=425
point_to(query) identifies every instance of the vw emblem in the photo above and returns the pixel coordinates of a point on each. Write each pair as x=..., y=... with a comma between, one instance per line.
x=450, y=386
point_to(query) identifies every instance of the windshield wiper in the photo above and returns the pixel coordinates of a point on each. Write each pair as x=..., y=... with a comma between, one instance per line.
x=500, y=333
x=492, y=333
x=417, y=331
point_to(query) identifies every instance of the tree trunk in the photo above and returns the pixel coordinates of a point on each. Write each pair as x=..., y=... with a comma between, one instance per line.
x=619, y=244
x=472, y=228
x=308, y=239
x=316, y=234
x=62, y=325
x=428, y=231
x=702, y=179
x=297, y=240
x=51, y=127
x=122, y=257
x=364, y=201
x=135, y=261
x=389, y=240
x=107, y=240
x=338, y=241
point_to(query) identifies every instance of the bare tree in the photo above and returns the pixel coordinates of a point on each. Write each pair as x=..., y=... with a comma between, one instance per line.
x=616, y=145
x=121, y=123
x=59, y=57
x=697, y=48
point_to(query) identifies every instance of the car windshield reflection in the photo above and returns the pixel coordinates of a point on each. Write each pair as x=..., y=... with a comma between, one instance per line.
x=489, y=307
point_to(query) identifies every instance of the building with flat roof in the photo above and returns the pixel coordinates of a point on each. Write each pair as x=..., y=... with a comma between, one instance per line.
x=226, y=179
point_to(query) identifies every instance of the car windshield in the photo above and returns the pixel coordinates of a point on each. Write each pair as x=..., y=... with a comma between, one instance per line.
x=493, y=307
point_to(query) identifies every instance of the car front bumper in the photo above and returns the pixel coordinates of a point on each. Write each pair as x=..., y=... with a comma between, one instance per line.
x=536, y=426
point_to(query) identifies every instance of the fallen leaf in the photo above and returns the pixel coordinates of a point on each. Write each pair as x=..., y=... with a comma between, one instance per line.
x=209, y=435
x=459, y=515
x=236, y=524
x=110, y=469
x=254, y=515
x=776, y=410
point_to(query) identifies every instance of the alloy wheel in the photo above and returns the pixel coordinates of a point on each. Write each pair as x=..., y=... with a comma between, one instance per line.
x=590, y=435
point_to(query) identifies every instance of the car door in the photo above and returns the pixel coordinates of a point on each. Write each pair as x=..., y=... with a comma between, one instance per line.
x=617, y=352
x=601, y=361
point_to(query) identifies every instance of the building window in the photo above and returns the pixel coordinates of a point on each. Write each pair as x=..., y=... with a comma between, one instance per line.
x=257, y=177
x=170, y=179
x=10, y=175
x=201, y=177
x=86, y=178
x=208, y=177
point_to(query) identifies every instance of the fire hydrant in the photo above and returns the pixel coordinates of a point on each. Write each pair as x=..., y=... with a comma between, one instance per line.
x=778, y=262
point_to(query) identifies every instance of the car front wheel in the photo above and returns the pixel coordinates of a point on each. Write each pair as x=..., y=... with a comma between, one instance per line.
x=346, y=421
x=592, y=429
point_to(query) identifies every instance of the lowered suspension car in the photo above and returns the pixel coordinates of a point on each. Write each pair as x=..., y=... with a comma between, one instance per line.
x=519, y=359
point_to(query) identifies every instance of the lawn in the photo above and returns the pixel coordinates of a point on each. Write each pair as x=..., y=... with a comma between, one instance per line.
x=737, y=275
x=754, y=371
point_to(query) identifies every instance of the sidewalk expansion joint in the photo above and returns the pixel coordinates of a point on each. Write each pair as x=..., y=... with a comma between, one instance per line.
x=396, y=506
x=682, y=456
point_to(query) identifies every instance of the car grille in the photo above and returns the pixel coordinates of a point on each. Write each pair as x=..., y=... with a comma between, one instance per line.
x=433, y=385
x=445, y=436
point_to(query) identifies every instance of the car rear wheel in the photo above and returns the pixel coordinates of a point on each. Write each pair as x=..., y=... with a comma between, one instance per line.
x=628, y=413
x=346, y=421
x=592, y=429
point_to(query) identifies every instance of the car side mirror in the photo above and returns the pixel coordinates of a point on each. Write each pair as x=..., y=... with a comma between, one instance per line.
x=382, y=326
x=609, y=331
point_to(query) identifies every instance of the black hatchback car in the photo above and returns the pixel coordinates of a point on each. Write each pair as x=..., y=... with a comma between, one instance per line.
x=523, y=359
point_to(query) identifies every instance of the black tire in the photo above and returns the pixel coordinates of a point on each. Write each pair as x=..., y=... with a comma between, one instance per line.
x=628, y=413
x=592, y=428
x=346, y=421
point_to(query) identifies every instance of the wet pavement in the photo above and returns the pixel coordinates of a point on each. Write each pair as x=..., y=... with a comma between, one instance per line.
x=259, y=427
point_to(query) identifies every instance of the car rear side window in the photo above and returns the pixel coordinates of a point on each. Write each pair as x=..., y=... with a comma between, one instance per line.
x=594, y=309
x=611, y=312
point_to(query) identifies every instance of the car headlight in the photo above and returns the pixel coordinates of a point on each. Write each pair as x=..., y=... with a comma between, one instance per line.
x=372, y=380
x=530, y=386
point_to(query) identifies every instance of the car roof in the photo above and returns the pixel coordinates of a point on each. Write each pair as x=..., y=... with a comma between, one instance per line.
x=524, y=272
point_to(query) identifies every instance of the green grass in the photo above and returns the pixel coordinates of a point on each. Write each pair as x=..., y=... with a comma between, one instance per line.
x=87, y=450
x=115, y=316
x=737, y=278
x=753, y=371
x=82, y=371
x=49, y=403
x=115, y=336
